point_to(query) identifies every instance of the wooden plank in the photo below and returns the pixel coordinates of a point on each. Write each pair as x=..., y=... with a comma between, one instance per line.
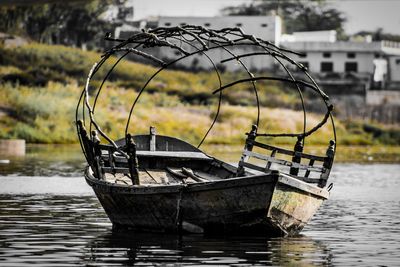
x=269, y=147
x=309, y=156
x=166, y=154
x=298, y=184
x=115, y=170
x=283, y=162
x=173, y=154
x=267, y=158
x=116, y=159
x=152, y=138
x=252, y=166
x=268, y=162
x=285, y=151
x=309, y=180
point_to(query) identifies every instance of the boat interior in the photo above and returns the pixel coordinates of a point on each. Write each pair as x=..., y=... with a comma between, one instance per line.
x=162, y=160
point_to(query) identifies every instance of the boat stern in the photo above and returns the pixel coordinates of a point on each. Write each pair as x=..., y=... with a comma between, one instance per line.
x=293, y=204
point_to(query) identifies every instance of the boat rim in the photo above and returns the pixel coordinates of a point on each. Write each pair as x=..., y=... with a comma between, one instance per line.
x=273, y=176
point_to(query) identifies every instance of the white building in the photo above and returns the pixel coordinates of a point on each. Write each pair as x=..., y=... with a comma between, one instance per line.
x=265, y=27
x=378, y=61
x=337, y=57
x=349, y=67
x=332, y=61
x=314, y=36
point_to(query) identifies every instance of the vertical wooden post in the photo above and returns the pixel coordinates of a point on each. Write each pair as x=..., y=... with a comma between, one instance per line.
x=330, y=154
x=86, y=142
x=152, y=138
x=268, y=166
x=298, y=149
x=111, y=161
x=133, y=164
x=247, y=147
x=311, y=163
x=98, y=161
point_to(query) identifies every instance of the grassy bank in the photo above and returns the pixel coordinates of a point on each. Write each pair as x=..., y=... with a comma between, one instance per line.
x=40, y=86
x=35, y=65
x=46, y=115
x=232, y=153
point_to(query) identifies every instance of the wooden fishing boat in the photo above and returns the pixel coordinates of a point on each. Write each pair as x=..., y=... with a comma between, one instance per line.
x=160, y=183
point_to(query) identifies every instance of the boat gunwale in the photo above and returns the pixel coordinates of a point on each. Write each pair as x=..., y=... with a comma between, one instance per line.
x=303, y=186
x=176, y=188
x=274, y=176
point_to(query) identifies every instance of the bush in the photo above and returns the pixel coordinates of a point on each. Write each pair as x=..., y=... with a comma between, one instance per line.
x=20, y=78
x=374, y=130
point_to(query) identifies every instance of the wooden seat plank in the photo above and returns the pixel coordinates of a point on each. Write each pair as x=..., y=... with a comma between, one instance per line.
x=285, y=151
x=283, y=162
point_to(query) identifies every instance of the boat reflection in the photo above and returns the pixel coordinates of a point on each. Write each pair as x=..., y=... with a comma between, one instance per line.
x=129, y=248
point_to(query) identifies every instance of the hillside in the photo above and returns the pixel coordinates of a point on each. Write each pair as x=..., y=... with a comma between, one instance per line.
x=40, y=85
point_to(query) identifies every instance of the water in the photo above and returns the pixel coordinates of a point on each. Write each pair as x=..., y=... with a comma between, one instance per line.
x=50, y=217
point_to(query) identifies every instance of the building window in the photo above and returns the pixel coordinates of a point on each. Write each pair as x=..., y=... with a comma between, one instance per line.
x=351, y=55
x=303, y=55
x=305, y=64
x=326, y=66
x=397, y=61
x=167, y=23
x=239, y=24
x=350, y=67
x=207, y=24
x=264, y=25
x=326, y=54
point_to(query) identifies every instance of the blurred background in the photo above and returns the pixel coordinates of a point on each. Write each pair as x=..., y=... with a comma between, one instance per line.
x=50, y=217
x=351, y=48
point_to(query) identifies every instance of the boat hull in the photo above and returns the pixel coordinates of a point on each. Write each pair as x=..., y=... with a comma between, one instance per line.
x=268, y=204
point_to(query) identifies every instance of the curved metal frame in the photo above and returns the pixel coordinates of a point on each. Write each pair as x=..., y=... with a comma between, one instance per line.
x=201, y=40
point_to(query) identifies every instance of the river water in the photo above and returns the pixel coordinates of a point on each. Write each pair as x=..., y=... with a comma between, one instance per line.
x=50, y=217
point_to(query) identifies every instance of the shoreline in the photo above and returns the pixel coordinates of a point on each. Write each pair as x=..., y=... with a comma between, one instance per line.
x=368, y=154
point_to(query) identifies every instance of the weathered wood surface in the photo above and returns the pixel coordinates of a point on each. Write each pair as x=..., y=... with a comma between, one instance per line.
x=162, y=143
x=185, y=190
x=294, y=166
x=293, y=204
x=283, y=162
x=232, y=205
x=219, y=205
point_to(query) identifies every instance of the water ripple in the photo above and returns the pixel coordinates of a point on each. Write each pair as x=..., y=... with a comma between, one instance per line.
x=57, y=221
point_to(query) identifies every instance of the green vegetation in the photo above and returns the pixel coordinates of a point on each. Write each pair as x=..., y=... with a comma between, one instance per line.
x=40, y=86
x=75, y=22
x=46, y=115
x=38, y=64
